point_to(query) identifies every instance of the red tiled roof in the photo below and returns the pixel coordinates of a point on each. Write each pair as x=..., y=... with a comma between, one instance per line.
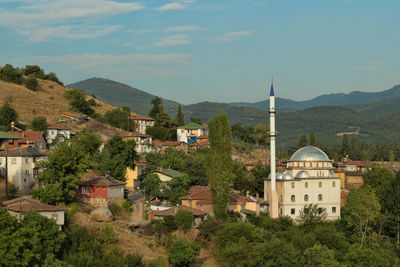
x=197, y=188
x=21, y=152
x=58, y=127
x=135, y=116
x=204, y=196
x=102, y=181
x=172, y=143
x=172, y=211
x=203, y=143
x=69, y=114
x=136, y=134
x=356, y=163
x=32, y=136
x=204, y=136
x=27, y=204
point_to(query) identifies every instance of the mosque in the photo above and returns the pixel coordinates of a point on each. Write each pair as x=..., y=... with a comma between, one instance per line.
x=308, y=178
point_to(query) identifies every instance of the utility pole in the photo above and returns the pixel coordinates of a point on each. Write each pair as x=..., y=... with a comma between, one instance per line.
x=6, y=175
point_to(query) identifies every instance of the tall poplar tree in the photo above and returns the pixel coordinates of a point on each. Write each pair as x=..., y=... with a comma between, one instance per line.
x=303, y=141
x=345, y=149
x=219, y=163
x=180, y=117
x=313, y=142
x=157, y=107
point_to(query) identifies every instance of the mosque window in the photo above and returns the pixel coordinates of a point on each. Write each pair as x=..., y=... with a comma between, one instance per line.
x=306, y=185
x=320, y=197
x=293, y=198
x=305, y=197
x=333, y=184
x=292, y=211
x=320, y=184
x=319, y=210
x=333, y=209
x=292, y=184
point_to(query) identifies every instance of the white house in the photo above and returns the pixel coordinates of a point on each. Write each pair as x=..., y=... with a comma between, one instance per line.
x=21, y=165
x=308, y=178
x=61, y=131
x=17, y=206
x=190, y=132
x=142, y=122
x=144, y=142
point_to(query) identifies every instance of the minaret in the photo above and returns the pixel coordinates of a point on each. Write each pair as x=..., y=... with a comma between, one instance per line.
x=273, y=203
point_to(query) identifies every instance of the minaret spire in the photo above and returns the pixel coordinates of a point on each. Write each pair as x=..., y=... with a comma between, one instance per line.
x=273, y=202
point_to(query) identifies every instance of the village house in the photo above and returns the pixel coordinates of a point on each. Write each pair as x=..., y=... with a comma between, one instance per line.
x=28, y=138
x=201, y=142
x=6, y=138
x=74, y=117
x=199, y=197
x=58, y=131
x=354, y=166
x=190, y=132
x=132, y=176
x=16, y=207
x=100, y=191
x=199, y=215
x=162, y=146
x=143, y=141
x=142, y=122
x=167, y=175
x=21, y=165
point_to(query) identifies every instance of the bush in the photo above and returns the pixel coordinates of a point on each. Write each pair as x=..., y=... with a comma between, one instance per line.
x=33, y=70
x=126, y=205
x=183, y=253
x=32, y=84
x=107, y=234
x=10, y=74
x=184, y=220
x=115, y=209
x=39, y=124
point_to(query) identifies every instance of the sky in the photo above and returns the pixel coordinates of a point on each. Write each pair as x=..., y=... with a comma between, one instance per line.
x=210, y=50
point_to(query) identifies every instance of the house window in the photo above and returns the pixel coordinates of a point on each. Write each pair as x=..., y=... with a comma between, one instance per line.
x=333, y=209
x=27, y=161
x=292, y=211
x=85, y=190
x=13, y=161
x=333, y=184
x=293, y=198
x=305, y=197
x=306, y=185
x=292, y=184
x=320, y=184
x=319, y=197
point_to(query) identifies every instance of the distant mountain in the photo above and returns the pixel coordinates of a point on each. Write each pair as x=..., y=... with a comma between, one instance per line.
x=119, y=94
x=381, y=108
x=336, y=99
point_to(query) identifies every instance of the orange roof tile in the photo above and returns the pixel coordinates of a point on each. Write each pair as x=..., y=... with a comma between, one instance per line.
x=27, y=204
x=32, y=136
x=172, y=211
x=135, y=116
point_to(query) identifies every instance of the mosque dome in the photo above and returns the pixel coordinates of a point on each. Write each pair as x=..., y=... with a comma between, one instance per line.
x=287, y=176
x=303, y=174
x=278, y=176
x=309, y=153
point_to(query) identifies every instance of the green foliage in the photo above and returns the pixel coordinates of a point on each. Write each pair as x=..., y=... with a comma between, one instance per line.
x=180, y=117
x=312, y=215
x=345, y=149
x=379, y=178
x=88, y=141
x=77, y=100
x=52, y=261
x=157, y=132
x=7, y=113
x=119, y=117
x=152, y=185
x=176, y=188
x=303, y=141
x=107, y=234
x=173, y=158
x=261, y=135
x=61, y=175
x=32, y=84
x=194, y=166
x=313, y=141
x=126, y=205
x=10, y=74
x=39, y=124
x=33, y=70
x=115, y=209
x=116, y=156
x=219, y=163
x=157, y=107
x=183, y=253
x=369, y=257
x=184, y=220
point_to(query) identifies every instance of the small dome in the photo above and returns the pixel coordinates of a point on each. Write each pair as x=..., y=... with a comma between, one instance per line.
x=309, y=153
x=332, y=173
x=287, y=176
x=303, y=174
x=279, y=176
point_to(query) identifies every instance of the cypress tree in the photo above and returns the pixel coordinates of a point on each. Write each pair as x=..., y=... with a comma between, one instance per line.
x=180, y=117
x=313, y=142
x=303, y=141
x=219, y=163
x=345, y=149
x=157, y=107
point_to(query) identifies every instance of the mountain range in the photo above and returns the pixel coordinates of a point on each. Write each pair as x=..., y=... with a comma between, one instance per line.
x=372, y=117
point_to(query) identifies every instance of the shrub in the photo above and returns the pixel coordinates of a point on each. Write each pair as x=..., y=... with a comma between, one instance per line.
x=183, y=253
x=126, y=205
x=184, y=220
x=10, y=74
x=108, y=235
x=32, y=84
x=39, y=124
x=115, y=209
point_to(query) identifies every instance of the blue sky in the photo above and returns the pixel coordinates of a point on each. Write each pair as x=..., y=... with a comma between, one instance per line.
x=203, y=50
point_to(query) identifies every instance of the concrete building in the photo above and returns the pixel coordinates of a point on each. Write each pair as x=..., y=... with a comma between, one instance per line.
x=6, y=138
x=132, y=176
x=61, y=131
x=21, y=165
x=28, y=138
x=16, y=207
x=143, y=141
x=190, y=132
x=308, y=178
x=142, y=122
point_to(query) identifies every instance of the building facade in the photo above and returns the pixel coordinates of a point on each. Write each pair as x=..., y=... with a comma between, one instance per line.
x=60, y=132
x=144, y=142
x=308, y=178
x=142, y=122
x=190, y=132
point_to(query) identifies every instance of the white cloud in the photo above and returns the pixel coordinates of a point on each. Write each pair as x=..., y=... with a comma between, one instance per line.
x=232, y=36
x=68, y=32
x=170, y=6
x=371, y=66
x=184, y=29
x=178, y=39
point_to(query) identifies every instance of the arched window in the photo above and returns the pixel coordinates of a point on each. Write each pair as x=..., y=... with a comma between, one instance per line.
x=305, y=197
x=320, y=184
x=293, y=198
x=333, y=184
x=306, y=185
x=319, y=197
x=292, y=184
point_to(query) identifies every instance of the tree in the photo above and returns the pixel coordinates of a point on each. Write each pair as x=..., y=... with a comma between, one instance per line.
x=176, y=188
x=313, y=142
x=119, y=117
x=259, y=172
x=312, y=215
x=61, y=174
x=173, y=158
x=7, y=112
x=302, y=141
x=184, y=220
x=10, y=74
x=152, y=185
x=33, y=70
x=180, y=117
x=183, y=253
x=39, y=124
x=345, y=149
x=157, y=107
x=391, y=205
x=319, y=255
x=379, y=178
x=195, y=120
x=32, y=84
x=157, y=132
x=88, y=141
x=219, y=163
x=362, y=208
x=194, y=167
x=77, y=100
x=261, y=135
